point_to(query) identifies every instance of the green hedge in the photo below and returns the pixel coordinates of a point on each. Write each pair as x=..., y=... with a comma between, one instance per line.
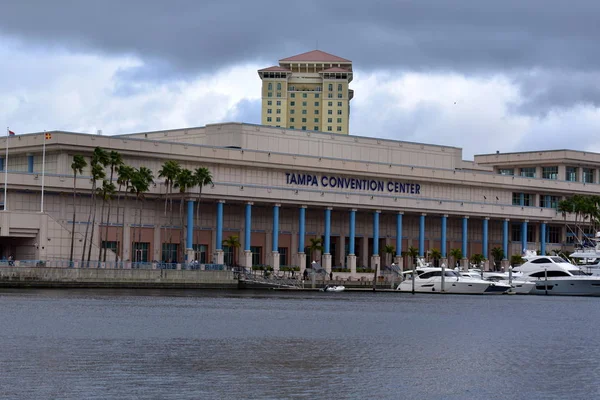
x=289, y=268
x=262, y=268
x=365, y=270
x=335, y=269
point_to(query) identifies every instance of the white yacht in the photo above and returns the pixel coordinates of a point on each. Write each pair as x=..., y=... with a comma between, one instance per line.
x=518, y=284
x=553, y=275
x=588, y=258
x=442, y=280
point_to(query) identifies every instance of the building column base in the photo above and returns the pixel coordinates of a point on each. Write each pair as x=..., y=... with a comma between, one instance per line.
x=301, y=260
x=504, y=264
x=444, y=262
x=247, y=259
x=399, y=261
x=189, y=256
x=464, y=264
x=219, y=257
x=376, y=262
x=351, y=262
x=486, y=265
x=327, y=262
x=275, y=261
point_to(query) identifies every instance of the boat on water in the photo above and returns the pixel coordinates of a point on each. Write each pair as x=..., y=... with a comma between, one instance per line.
x=587, y=256
x=553, y=275
x=518, y=284
x=442, y=280
x=333, y=288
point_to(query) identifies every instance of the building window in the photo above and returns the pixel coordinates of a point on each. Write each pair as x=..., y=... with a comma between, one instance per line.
x=316, y=112
x=304, y=95
x=256, y=255
x=279, y=102
x=553, y=234
x=268, y=119
x=292, y=119
x=303, y=119
x=112, y=246
x=330, y=112
x=329, y=128
x=316, y=104
x=169, y=252
x=270, y=87
x=339, y=103
x=339, y=95
x=304, y=104
x=291, y=88
x=291, y=126
x=269, y=111
x=330, y=95
x=506, y=171
x=282, y=256
x=140, y=251
x=269, y=103
x=303, y=111
x=317, y=94
x=516, y=233
x=329, y=120
x=330, y=103
x=228, y=255
x=278, y=94
x=339, y=128
x=277, y=119
x=279, y=111
x=278, y=86
x=315, y=128
x=339, y=120
x=588, y=175
x=270, y=94
x=330, y=87
x=292, y=95
x=316, y=120
x=201, y=253
x=528, y=172
x=550, y=172
x=571, y=174
x=549, y=201
x=303, y=128
x=522, y=199
x=339, y=87
x=292, y=103
x=292, y=111
x=339, y=112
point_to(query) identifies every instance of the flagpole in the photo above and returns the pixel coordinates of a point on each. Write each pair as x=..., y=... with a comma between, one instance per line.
x=43, y=169
x=6, y=171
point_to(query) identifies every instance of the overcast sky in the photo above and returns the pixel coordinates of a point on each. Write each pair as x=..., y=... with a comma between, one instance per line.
x=508, y=75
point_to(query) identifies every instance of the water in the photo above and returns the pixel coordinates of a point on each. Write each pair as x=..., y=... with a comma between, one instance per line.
x=106, y=344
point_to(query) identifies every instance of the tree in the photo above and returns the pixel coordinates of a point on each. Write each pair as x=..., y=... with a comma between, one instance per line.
x=169, y=171
x=77, y=166
x=389, y=250
x=477, y=259
x=99, y=161
x=412, y=253
x=232, y=242
x=140, y=183
x=124, y=174
x=435, y=255
x=316, y=244
x=516, y=259
x=498, y=255
x=456, y=255
x=183, y=181
x=115, y=160
x=203, y=177
x=106, y=193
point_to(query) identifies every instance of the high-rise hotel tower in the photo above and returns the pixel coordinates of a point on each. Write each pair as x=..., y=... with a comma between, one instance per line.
x=309, y=91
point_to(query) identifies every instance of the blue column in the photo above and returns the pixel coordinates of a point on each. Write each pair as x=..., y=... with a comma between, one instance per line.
x=327, y=230
x=30, y=164
x=543, y=238
x=376, y=233
x=464, y=236
x=524, y=235
x=219, y=244
x=399, y=234
x=485, y=237
x=276, y=227
x=444, y=225
x=247, y=226
x=521, y=199
x=352, y=232
x=422, y=235
x=189, y=239
x=505, y=238
x=301, y=229
x=1, y=164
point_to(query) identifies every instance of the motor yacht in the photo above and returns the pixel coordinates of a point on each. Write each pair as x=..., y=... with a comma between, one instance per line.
x=442, y=280
x=553, y=275
x=333, y=288
x=518, y=284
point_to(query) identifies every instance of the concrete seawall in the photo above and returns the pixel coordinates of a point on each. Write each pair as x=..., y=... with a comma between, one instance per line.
x=115, y=278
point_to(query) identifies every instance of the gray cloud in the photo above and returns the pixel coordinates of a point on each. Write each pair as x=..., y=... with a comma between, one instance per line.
x=246, y=110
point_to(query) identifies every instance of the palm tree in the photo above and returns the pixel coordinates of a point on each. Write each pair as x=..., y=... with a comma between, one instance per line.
x=477, y=259
x=315, y=245
x=184, y=180
x=456, y=255
x=99, y=161
x=78, y=165
x=97, y=174
x=115, y=160
x=498, y=254
x=232, y=242
x=124, y=174
x=435, y=255
x=202, y=177
x=106, y=193
x=412, y=253
x=389, y=250
x=140, y=183
x=169, y=171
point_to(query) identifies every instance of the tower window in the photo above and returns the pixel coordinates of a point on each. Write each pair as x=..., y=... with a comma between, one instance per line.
x=316, y=111
x=270, y=86
x=330, y=95
x=316, y=128
x=277, y=119
x=269, y=111
x=304, y=95
x=339, y=120
x=279, y=86
x=304, y=104
x=316, y=119
x=329, y=128
x=339, y=87
x=339, y=112
x=316, y=104
x=317, y=94
x=339, y=96
x=329, y=112
x=330, y=86
x=278, y=102
x=339, y=128
x=292, y=95
x=330, y=103
x=270, y=94
x=339, y=103
x=292, y=119
x=303, y=119
x=269, y=103
x=268, y=119
x=279, y=111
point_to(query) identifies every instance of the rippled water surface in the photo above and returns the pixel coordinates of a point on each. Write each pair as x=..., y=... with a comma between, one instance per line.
x=101, y=344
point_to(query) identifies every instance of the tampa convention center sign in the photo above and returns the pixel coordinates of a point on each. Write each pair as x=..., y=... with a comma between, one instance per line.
x=343, y=182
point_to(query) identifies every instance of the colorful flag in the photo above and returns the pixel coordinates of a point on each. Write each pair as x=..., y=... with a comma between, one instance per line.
x=48, y=136
x=11, y=133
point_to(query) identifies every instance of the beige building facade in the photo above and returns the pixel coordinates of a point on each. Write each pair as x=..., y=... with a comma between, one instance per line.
x=309, y=91
x=276, y=189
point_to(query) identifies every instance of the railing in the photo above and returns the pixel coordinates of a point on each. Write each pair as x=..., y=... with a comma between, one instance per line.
x=112, y=265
